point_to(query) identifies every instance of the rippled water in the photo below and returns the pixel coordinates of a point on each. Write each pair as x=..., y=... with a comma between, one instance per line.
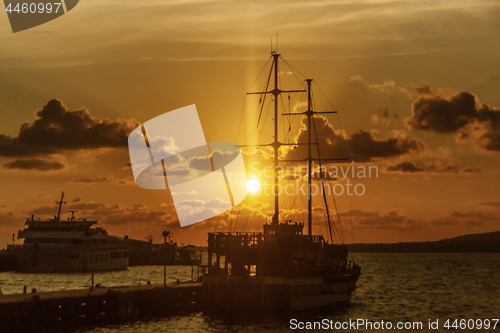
x=393, y=287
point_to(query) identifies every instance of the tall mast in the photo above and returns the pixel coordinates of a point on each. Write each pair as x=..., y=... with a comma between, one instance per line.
x=309, y=114
x=276, y=143
x=310, y=159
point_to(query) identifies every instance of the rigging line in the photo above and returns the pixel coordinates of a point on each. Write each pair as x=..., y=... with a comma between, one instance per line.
x=282, y=119
x=321, y=176
x=267, y=112
x=294, y=69
x=317, y=86
x=244, y=103
x=295, y=200
x=343, y=138
x=317, y=226
x=352, y=232
x=338, y=119
x=265, y=95
x=340, y=233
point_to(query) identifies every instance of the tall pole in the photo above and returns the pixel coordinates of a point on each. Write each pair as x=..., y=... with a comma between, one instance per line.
x=309, y=114
x=276, y=142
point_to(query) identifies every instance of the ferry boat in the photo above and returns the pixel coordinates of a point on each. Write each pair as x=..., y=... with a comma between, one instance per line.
x=283, y=268
x=72, y=245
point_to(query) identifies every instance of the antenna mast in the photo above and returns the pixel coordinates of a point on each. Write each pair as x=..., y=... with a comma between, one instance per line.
x=60, y=205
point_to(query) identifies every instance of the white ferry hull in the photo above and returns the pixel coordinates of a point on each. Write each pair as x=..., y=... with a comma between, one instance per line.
x=68, y=259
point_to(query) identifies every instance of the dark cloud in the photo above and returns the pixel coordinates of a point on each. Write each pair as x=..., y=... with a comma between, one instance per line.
x=471, y=219
x=44, y=210
x=33, y=164
x=11, y=147
x=458, y=113
x=99, y=180
x=380, y=220
x=438, y=167
x=445, y=221
x=472, y=223
x=435, y=167
x=361, y=146
x=494, y=204
x=138, y=217
x=86, y=206
x=477, y=215
x=77, y=200
x=114, y=209
x=384, y=113
x=424, y=90
x=56, y=128
x=431, y=112
x=471, y=170
x=405, y=166
x=91, y=180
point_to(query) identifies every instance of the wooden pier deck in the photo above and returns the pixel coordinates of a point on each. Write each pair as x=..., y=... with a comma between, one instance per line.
x=67, y=309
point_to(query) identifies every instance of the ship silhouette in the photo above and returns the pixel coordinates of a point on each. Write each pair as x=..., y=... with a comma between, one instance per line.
x=284, y=267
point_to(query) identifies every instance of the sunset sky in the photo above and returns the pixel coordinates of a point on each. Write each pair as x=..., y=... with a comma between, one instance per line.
x=416, y=84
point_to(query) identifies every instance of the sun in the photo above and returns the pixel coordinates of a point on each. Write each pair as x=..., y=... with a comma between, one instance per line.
x=253, y=186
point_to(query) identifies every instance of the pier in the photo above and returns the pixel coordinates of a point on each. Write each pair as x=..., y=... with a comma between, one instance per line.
x=61, y=310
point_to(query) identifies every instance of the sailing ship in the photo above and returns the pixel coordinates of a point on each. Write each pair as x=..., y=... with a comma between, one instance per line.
x=72, y=245
x=282, y=268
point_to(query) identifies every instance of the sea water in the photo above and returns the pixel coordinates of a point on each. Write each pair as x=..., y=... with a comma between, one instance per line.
x=393, y=287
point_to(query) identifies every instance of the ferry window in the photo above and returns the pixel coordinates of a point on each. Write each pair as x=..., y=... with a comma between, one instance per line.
x=116, y=255
x=77, y=256
x=102, y=258
x=91, y=257
x=106, y=258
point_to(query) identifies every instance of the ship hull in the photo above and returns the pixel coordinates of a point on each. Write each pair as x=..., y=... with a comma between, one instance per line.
x=270, y=293
x=69, y=259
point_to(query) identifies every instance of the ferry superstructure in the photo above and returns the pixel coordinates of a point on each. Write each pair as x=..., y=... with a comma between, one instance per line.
x=72, y=245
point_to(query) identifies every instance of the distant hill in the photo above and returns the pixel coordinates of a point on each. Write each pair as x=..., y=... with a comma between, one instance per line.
x=486, y=242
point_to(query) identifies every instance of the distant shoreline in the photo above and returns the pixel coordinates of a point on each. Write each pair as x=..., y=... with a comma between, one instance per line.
x=472, y=243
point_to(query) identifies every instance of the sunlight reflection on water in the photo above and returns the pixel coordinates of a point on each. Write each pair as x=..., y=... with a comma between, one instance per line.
x=393, y=287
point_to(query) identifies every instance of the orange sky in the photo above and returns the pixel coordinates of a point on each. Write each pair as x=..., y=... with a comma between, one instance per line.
x=409, y=79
